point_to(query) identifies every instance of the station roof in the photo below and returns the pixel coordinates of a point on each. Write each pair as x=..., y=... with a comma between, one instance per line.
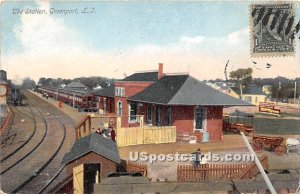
x=79, y=91
x=143, y=76
x=76, y=85
x=93, y=143
x=107, y=92
x=185, y=90
x=238, y=113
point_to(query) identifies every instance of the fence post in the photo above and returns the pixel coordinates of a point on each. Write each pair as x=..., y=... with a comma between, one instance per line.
x=119, y=122
x=141, y=121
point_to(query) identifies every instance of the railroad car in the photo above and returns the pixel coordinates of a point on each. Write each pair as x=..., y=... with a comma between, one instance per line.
x=15, y=97
x=83, y=100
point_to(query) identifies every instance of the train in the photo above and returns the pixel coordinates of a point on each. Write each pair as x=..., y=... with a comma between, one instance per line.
x=15, y=97
x=83, y=100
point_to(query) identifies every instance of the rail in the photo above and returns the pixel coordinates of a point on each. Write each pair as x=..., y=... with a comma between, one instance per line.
x=31, y=151
x=22, y=145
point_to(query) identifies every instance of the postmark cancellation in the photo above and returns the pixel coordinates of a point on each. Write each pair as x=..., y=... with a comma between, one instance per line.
x=272, y=29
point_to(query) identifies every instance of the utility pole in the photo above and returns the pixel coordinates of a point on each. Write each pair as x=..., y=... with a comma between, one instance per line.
x=279, y=87
x=241, y=89
x=73, y=100
x=258, y=164
x=295, y=92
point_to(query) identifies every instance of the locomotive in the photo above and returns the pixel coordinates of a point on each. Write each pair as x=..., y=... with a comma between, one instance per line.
x=15, y=97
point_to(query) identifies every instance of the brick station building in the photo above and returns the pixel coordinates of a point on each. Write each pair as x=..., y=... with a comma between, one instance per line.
x=168, y=100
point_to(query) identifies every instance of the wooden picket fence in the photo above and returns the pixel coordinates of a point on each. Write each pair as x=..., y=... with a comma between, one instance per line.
x=251, y=170
x=145, y=135
x=208, y=172
x=137, y=167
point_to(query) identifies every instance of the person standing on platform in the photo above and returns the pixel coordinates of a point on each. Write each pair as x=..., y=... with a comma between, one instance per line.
x=197, y=157
x=113, y=134
x=98, y=131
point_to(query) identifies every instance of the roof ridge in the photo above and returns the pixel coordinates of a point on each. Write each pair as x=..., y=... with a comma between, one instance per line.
x=147, y=71
x=176, y=74
x=187, y=76
x=91, y=146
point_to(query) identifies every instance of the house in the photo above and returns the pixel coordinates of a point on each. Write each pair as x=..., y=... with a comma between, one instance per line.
x=267, y=89
x=171, y=100
x=3, y=76
x=252, y=94
x=96, y=149
x=112, y=100
x=224, y=87
x=106, y=100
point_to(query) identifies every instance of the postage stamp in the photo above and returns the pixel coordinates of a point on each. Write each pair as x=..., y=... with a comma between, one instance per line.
x=272, y=29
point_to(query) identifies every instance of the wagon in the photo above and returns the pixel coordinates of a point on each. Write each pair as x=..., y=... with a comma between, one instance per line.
x=273, y=144
x=237, y=122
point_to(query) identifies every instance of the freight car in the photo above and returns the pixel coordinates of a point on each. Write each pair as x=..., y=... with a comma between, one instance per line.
x=83, y=100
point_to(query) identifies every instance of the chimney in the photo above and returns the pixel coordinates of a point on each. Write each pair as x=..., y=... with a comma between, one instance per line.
x=160, y=70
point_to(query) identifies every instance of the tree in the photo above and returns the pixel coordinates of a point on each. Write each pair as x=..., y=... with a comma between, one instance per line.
x=242, y=76
x=42, y=81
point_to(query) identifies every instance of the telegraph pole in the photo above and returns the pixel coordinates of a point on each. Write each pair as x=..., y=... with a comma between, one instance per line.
x=279, y=87
x=241, y=89
x=259, y=166
x=295, y=91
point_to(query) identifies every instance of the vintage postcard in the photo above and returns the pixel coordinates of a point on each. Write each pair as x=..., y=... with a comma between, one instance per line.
x=149, y=96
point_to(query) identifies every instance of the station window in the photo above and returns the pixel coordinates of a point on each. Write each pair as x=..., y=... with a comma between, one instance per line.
x=119, y=91
x=119, y=109
x=248, y=99
x=200, y=118
x=149, y=114
x=158, y=116
x=104, y=104
x=132, y=107
x=168, y=117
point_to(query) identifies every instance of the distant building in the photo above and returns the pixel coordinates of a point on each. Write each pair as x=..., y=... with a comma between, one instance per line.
x=62, y=85
x=3, y=76
x=97, y=87
x=267, y=89
x=224, y=87
x=76, y=86
x=4, y=90
x=253, y=94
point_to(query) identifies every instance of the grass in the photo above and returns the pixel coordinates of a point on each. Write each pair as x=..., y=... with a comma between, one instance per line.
x=270, y=124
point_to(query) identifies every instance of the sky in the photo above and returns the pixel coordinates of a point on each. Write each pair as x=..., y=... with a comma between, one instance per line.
x=120, y=38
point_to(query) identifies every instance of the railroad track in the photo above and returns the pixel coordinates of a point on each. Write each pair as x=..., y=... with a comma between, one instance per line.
x=35, y=180
x=30, y=151
x=26, y=141
x=7, y=131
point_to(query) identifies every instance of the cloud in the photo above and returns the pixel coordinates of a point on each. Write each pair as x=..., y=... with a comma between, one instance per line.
x=238, y=36
x=192, y=40
x=232, y=38
x=43, y=34
x=51, y=48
